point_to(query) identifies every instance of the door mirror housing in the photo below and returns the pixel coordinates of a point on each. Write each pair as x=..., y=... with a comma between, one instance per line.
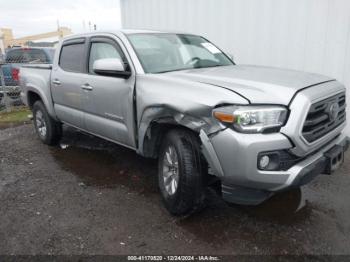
x=111, y=67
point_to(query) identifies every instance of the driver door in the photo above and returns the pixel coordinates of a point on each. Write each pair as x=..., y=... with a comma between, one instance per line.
x=108, y=100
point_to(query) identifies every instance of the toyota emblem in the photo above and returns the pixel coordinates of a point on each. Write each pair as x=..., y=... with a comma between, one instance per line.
x=333, y=111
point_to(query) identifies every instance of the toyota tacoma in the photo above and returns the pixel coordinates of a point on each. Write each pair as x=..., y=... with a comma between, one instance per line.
x=253, y=130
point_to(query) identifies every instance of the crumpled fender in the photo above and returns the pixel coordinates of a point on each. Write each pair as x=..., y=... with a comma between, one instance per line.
x=168, y=115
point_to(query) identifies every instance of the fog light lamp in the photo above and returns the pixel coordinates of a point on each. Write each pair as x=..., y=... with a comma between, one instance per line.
x=264, y=162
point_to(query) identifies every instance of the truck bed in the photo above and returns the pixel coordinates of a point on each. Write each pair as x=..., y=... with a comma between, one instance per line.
x=36, y=78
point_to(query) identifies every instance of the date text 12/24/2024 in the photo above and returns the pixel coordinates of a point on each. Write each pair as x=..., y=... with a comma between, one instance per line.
x=173, y=258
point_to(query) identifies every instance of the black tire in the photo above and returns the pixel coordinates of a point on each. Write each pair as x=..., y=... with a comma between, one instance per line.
x=189, y=195
x=53, y=132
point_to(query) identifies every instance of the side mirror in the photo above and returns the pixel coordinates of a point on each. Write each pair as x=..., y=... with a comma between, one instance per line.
x=111, y=67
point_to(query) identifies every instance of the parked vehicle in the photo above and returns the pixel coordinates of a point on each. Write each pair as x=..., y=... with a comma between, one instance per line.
x=14, y=59
x=179, y=98
x=17, y=57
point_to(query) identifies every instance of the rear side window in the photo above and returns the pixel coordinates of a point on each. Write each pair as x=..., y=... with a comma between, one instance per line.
x=72, y=58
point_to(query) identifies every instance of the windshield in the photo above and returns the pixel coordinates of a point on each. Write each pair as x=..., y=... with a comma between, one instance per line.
x=159, y=52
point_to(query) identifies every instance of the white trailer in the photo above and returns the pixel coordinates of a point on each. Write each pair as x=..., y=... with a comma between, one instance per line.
x=307, y=35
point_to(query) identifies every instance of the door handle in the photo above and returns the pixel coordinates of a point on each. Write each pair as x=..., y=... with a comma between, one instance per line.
x=87, y=87
x=56, y=82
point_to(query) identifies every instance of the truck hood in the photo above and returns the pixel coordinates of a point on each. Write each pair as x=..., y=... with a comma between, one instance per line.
x=257, y=84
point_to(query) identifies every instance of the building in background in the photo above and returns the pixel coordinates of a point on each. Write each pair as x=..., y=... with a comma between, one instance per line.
x=2, y=46
x=44, y=39
x=6, y=36
x=311, y=36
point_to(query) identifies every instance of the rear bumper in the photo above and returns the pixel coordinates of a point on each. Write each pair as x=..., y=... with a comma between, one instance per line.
x=233, y=158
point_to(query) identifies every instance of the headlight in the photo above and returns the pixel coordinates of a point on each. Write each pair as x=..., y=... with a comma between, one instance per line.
x=252, y=119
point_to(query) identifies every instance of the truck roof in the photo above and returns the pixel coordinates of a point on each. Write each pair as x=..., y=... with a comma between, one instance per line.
x=138, y=31
x=123, y=32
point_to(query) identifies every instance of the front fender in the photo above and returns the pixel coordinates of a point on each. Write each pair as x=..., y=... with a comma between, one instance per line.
x=171, y=116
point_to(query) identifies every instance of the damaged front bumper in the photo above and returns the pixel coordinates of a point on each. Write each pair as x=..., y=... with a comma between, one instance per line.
x=233, y=157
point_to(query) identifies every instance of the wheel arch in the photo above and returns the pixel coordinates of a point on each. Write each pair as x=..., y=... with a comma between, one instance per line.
x=32, y=97
x=35, y=94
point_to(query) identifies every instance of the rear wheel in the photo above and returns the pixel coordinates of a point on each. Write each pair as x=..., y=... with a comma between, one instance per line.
x=181, y=173
x=48, y=130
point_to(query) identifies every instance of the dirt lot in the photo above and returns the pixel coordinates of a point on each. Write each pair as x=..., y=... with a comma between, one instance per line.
x=88, y=196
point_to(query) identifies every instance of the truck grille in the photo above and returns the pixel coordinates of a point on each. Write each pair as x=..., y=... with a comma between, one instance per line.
x=324, y=116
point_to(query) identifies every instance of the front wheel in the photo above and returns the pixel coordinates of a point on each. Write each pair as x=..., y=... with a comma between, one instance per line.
x=48, y=130
x=181, y=172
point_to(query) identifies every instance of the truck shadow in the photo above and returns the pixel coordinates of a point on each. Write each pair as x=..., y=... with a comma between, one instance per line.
x=99, y=163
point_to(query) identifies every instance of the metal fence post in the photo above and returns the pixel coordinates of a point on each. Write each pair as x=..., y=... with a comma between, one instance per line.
x=2, y=86
x=5, y=99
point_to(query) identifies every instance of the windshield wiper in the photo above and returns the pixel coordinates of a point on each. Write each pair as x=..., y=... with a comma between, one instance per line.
x=180, y=69
x=211, y=66
x=173, y=70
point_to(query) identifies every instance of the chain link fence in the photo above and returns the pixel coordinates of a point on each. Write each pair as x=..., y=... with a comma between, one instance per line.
x=9, y=88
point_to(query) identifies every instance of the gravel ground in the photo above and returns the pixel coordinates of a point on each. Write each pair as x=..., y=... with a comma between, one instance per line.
x=88, y=196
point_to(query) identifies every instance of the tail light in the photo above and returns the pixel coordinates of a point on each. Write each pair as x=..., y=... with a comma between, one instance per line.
x=15, y=74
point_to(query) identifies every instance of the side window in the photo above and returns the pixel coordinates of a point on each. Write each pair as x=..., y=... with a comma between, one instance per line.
x=37, y=56
x=72, y=58
x=101, y=51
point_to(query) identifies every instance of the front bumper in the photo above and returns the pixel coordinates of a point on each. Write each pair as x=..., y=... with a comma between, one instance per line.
x=233, y=158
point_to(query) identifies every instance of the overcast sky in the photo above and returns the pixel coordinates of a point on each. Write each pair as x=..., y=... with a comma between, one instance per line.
x=27, y=17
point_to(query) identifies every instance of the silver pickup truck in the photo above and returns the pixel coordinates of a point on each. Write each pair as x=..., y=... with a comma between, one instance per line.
x=254, y=130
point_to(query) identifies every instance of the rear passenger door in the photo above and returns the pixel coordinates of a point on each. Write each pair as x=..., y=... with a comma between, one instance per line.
x=67, y=80
x=109, y=108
